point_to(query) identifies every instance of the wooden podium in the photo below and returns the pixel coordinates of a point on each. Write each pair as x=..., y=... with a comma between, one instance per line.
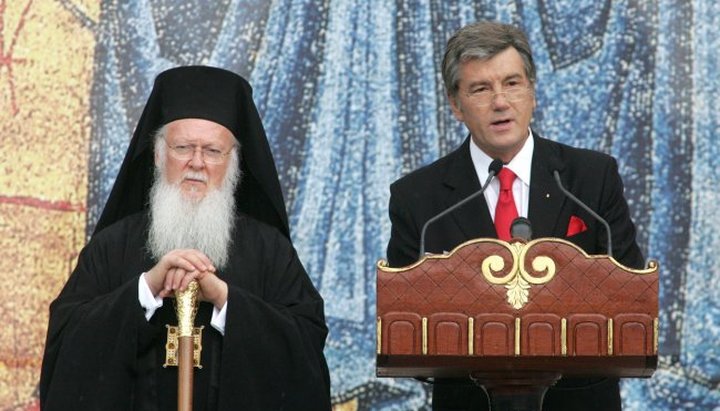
x=515, y=317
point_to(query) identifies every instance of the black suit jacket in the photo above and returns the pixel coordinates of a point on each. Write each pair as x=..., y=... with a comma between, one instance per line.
x=591, y=176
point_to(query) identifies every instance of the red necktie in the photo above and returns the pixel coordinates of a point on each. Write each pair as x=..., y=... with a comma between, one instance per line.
x=505, y=211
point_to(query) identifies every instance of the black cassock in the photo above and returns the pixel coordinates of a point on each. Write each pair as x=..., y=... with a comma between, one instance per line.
x=102, y=354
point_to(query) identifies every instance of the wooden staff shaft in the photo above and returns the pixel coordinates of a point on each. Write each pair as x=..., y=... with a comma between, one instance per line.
x=186, y=308
x=185, y=373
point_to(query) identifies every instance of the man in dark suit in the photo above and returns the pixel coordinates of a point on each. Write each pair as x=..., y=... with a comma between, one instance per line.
x=489, y=76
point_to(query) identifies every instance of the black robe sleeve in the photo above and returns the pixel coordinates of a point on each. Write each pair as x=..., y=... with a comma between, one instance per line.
x=274, y=331
x=95, y=327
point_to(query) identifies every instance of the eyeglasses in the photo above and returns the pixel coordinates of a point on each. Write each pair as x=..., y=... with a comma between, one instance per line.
x=186, y=152
x=483, y=96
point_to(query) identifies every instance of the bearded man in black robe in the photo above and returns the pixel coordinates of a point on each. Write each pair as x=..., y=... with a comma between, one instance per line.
x=197, y=198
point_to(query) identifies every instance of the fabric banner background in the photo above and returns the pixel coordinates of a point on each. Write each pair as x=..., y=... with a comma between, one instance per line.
x=351, y=98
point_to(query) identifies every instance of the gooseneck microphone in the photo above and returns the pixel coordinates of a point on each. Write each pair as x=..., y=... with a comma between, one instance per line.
x=493, y=169
x=577, y=201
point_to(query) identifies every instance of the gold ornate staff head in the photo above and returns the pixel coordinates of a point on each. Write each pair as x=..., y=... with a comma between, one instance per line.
x=186, y=309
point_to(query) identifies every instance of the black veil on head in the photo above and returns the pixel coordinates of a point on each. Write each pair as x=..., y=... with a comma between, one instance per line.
x=212, y=94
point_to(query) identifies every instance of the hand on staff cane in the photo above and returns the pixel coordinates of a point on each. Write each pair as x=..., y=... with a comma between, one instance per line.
x=191, y=276
x=177, y=268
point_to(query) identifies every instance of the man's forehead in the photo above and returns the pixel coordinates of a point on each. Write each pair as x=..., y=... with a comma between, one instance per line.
x=197, y=128
x=505, y=65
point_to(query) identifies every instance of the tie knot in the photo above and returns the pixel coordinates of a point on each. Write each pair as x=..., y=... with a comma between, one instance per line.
x=506, y=177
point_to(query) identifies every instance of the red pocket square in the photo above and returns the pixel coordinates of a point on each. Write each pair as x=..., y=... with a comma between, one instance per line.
x=575, y=226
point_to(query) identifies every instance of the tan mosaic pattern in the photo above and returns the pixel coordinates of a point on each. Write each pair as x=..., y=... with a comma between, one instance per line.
x=46, y=61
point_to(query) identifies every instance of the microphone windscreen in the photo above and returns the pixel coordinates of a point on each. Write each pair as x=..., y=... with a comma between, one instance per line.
x=521, y=228
x=495, y=166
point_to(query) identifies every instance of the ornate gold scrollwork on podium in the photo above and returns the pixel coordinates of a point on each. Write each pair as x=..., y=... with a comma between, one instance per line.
x=518, y=280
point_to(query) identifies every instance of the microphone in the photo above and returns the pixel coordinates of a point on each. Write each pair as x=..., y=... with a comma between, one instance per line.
x=493, y=169
x=521, y=228
x=577, y=201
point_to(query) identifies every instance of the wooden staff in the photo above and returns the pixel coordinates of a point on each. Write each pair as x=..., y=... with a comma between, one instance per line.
x=186, y=308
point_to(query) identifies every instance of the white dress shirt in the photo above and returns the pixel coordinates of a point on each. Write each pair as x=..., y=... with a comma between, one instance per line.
x=520, y=165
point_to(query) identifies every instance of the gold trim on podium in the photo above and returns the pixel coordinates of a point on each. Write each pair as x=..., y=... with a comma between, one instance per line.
x=471, y=336
x=424, y=336
x=378, y=341
x=518, y=279
x=656, y=325
x=563, y=337
x=383, y=265
x=517, y=336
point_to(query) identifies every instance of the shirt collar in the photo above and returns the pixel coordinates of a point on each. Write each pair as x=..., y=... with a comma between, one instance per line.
x=520, y=164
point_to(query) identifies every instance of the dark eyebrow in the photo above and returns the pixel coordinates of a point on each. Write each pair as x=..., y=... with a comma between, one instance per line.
x=513, y=76
x=479, y=83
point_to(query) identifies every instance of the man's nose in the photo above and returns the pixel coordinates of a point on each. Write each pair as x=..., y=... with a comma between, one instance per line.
x=197, y=159
x=500, y=101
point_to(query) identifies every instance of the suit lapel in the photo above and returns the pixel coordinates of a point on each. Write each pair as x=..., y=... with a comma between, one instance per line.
x=545, y=204
x=546, y=199
x=473, y=218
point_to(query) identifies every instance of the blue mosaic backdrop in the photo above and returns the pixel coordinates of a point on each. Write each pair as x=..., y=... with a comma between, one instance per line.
x=351, y=98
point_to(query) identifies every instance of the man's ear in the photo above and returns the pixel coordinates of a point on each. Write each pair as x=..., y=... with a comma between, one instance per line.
x=455, y=107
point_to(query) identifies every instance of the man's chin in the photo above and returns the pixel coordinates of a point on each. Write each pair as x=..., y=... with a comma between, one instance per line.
x=193, y=194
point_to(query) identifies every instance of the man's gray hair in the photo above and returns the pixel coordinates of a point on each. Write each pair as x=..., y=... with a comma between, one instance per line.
x=483, y=40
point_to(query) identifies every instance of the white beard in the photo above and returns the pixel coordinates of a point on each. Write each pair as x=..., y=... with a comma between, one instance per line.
x=177, y=222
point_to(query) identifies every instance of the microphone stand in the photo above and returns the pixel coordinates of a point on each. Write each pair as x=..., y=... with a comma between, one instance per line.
x=577, y=201
x=494, y=168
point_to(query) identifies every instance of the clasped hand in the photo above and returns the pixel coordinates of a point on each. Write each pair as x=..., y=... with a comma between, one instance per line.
x=177, y=268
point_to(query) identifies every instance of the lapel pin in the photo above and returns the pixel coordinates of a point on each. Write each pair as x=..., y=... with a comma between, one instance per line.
x=547, y=195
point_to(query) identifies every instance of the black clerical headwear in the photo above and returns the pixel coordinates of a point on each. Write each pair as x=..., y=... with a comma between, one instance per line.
x=212, y=94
